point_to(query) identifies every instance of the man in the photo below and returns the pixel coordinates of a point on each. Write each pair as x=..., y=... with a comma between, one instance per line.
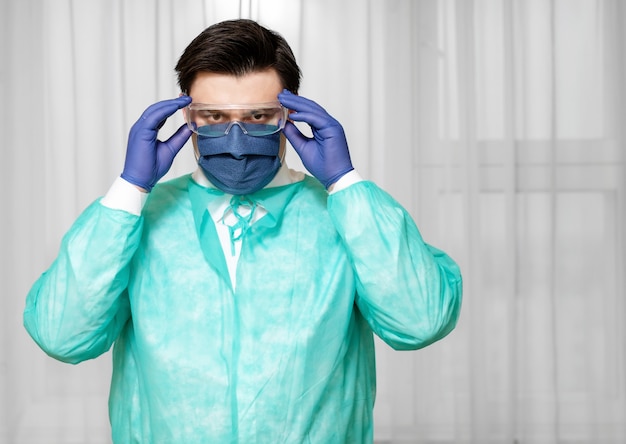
x=242, y=298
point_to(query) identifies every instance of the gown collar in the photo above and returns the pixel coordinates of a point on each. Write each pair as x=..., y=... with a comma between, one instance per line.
x=206, y=202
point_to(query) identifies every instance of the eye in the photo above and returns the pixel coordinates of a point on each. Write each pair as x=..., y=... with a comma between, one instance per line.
x=212, y=116
x=261, y=116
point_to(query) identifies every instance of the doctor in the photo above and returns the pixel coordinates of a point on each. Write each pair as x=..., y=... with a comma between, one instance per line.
x=241, y=300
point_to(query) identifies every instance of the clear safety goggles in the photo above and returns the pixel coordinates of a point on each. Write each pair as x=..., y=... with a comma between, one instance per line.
x=259, y=119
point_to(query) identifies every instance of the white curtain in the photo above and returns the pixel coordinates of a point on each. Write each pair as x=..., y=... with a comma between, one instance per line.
x=497, y=123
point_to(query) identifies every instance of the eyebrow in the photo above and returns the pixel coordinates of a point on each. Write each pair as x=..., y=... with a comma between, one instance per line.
x=203, y=107
x=233, y=106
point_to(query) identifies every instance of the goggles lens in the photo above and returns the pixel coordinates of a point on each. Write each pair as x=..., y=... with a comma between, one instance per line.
x=254, y=120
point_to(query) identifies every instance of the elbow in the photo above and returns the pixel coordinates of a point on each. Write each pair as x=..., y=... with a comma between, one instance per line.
x=63, y=355
x=431, y=325
x=55, y=351
x=64, y=352
x=57, y=346
x=420, y=336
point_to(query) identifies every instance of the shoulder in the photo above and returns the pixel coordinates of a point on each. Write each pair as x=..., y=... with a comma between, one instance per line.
x=313, y=191
x=310, y=201
x=171, y=193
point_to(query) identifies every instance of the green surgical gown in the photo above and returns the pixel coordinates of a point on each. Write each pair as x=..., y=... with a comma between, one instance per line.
x=287, y=357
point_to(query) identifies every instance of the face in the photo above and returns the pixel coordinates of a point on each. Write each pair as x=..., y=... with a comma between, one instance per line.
x=225, y=89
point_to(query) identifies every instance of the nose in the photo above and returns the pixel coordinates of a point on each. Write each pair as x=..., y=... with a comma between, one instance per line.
x=236, y=149
x=239, y=124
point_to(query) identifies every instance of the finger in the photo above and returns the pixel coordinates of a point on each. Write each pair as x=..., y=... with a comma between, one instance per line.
x=295, y=137
x=315, y=120
x=299, y=103
x=155, y=115
x=308, y=111
x=164, y=107
x=178, y=139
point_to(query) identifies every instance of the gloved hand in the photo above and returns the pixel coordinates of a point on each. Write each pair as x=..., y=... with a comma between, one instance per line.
x=147, y=158
x=326, y=154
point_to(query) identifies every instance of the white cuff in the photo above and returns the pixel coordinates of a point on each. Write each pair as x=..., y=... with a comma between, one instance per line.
x=125, y=196
x=345, y=181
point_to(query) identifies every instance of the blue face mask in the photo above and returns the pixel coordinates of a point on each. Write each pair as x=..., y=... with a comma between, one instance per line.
x=238, y=163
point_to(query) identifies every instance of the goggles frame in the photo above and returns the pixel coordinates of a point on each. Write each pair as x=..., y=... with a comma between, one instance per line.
x=250, y=123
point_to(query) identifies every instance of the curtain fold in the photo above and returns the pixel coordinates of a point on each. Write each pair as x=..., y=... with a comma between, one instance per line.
x=496, y=123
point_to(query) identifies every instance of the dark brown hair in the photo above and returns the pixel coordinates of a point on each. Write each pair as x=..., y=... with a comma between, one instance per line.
x=238, y=47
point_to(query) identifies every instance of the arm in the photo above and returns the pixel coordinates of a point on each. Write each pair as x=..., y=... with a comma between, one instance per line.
x=77, y=308
x=409, y=292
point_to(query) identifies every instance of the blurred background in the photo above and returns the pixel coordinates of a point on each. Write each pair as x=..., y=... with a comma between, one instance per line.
x=497, y=123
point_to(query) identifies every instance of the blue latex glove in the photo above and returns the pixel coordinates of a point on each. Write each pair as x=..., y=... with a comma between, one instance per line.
x=326, y=154
x=147, y=158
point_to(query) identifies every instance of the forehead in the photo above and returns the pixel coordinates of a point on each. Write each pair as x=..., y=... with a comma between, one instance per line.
x=223, y=89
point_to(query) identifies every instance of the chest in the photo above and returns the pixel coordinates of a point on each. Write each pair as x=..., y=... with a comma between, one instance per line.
x=295, y=273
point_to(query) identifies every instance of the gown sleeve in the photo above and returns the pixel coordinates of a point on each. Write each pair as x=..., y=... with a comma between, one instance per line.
x=77, y=308
x=408, y=291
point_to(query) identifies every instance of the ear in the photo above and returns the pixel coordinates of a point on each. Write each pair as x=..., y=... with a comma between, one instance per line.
x=282, y=148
